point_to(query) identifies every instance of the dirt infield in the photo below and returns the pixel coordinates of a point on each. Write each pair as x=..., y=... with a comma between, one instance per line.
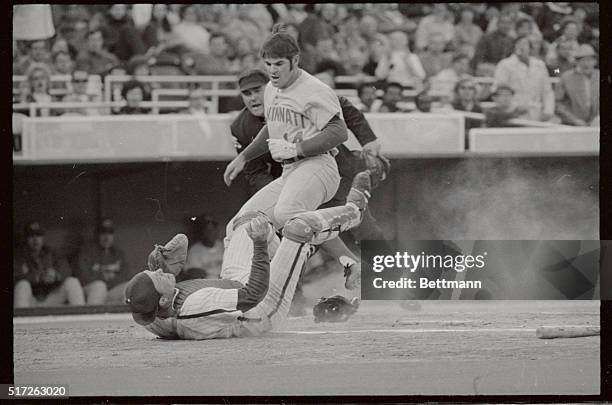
x=446, y=348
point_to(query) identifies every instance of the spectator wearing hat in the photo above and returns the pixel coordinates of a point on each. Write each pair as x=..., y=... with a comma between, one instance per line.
x=43, y=277
x=134, y=92
x=505, y=109
x=577, y=92
x=205, y=253
x=96, y=60
x=529, y=79
x=102, y=267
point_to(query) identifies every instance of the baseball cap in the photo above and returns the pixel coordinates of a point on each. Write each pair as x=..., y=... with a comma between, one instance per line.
x=252, y=78
x=33, y=228
x=142, y=298
x=105, y=226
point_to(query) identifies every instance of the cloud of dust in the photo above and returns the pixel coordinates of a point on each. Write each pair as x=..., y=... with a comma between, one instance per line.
x=488, y=199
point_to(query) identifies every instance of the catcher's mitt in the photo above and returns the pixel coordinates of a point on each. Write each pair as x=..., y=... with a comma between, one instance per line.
x=379, y=167
x=334, y=309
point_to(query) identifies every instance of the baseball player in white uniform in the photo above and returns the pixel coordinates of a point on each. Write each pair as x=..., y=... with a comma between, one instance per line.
x=254, y=295
x=304, y=124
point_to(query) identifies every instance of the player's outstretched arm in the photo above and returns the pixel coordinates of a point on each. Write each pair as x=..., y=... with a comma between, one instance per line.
x=258, y=147
x=249, y=296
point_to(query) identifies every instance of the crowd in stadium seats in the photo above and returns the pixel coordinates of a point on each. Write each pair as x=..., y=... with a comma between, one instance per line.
x=97, y=272
x=395, y=49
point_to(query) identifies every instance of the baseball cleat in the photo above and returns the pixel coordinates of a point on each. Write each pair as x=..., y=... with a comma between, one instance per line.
x=171, y=257
x=360, y=190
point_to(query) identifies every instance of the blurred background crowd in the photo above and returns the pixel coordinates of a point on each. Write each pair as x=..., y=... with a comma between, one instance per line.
x=398, y=57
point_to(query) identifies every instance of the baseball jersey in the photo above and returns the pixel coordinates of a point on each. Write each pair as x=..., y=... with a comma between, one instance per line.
x=31, y=267
x=206, y=309
x=301, y=110
x=96, y=263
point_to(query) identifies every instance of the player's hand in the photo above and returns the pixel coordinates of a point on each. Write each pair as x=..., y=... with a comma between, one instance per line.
x=281, y=149
x=233, y=169
x=258, y=229
x=372, y=147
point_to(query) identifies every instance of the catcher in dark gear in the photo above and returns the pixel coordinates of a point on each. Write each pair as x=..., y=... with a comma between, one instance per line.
x=335, y=309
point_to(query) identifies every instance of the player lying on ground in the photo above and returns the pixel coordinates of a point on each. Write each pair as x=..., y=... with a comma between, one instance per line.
x=246, y=301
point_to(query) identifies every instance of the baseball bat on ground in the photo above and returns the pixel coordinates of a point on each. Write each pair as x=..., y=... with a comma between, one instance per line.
x=553, y=332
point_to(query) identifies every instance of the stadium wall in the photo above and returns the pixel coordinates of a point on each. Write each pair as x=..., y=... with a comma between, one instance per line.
x=441, y=198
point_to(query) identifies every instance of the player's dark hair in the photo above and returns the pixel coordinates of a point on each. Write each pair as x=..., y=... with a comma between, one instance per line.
x=280, y=45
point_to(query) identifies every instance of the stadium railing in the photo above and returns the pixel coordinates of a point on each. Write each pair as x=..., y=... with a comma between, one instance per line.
x=121, y=138
x=60, y=85
x=168, y=137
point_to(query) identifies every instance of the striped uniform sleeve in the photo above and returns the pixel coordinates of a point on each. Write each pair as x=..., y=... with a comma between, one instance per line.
x=209, y=313
x=259, y=278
